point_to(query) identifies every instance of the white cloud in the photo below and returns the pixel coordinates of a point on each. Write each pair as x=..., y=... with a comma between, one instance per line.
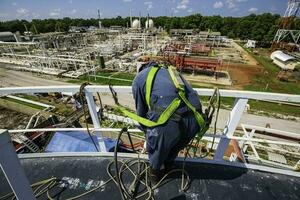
x=174, y=10
x=72, y=12
x=190, y=10
x=35, y=15
x=252, y=10
x=55, y=12
x=273, y=9
x=183, y=5
x=22, y=12
x=149, y=4
x=14, y=3
x=231, y=4
x=218, y=4
x=127, y=1
x=2, y=14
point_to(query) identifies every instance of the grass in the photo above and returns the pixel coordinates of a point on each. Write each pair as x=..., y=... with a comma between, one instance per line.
x=268, y=108
x=24, y=103
x=274, y=107
x=123, y=75
x=268, y=82
x=60, y=108
x=106, y=81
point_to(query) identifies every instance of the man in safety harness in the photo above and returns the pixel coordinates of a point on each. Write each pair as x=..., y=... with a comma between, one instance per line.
x=169, y=112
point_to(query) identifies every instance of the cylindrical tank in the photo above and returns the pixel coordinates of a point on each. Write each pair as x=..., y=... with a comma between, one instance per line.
x=149, y=23
x=135, y=24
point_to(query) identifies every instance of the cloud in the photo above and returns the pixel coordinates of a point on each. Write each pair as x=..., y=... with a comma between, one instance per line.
x=190, y=10
x=55, y=12
x=183, y=5
x=35, y=15
x=252, y=10
x=72, y=12
x=273, y=9
x=126, y=1
x=14, y=3
x=149, y=4
x=231, y=4
x=218, y=4
x=174, y=10
x=22, y=12
x=3, y=14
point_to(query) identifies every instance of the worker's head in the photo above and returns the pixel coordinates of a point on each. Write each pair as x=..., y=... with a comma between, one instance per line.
x=146, y=65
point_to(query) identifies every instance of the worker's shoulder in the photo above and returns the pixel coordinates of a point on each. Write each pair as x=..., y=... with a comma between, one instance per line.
x=141, y=76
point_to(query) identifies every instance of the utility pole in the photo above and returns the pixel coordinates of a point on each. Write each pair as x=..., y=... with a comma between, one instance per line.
x=99, y=19
x=130, y=19
x=140, y=20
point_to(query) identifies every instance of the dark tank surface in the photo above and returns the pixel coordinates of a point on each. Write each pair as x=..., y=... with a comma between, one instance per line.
x=79, y=174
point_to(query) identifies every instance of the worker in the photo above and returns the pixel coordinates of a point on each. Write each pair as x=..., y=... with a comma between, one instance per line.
x=164, y=142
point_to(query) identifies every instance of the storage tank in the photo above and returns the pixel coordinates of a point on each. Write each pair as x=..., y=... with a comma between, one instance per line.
x=149, y=23
x=7, y=37
x=135, y=24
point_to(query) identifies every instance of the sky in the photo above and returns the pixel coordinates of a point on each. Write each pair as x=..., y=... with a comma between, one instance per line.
x=41, y=9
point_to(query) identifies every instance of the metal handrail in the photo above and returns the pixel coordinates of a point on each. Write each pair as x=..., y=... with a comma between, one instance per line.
x=127, y=89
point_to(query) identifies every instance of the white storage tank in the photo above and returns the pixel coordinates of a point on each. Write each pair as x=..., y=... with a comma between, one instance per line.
x=135, y=24
x=149, y=23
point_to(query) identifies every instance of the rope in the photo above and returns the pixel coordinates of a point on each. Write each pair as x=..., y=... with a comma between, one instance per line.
x=209, y=113
x=218, y=99
x=114, y=94
x=141, y=177
x=81, y=95
x=101, y=106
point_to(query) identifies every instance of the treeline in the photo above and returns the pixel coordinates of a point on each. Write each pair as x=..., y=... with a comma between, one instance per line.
x=257, y=27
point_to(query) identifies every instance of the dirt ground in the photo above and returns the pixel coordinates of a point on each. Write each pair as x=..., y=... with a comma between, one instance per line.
x=250, y=60
x=241, y=75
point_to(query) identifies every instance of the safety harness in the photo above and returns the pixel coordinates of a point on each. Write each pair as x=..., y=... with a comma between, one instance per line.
x=174, y=105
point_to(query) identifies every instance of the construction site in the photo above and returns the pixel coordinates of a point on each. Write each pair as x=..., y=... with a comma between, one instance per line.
x=63, y=92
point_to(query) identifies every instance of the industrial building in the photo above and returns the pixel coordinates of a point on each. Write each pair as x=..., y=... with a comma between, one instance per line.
x=284, y=61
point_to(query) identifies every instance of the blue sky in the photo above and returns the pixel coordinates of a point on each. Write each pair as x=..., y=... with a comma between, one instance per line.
x=29, y=9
